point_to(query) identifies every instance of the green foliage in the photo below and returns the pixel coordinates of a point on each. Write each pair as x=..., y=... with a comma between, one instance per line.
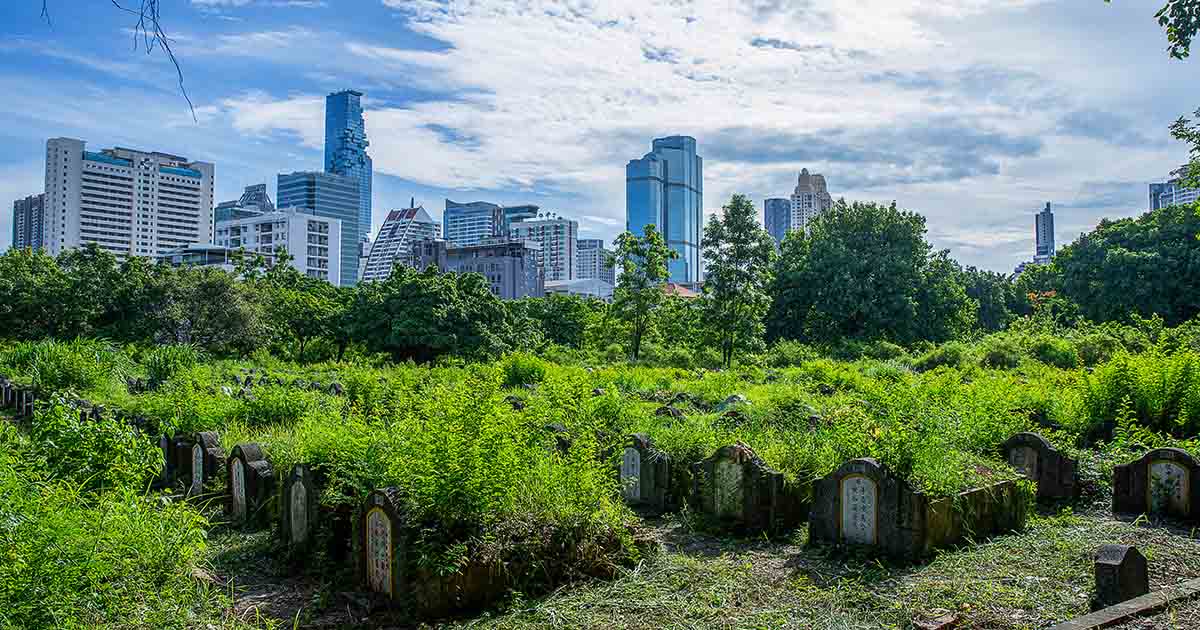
x=738, y=255
x=1001, y=352
x=1161, y=392
x=80, y=365
x=1181, y=19
x=953, y=355
x=522, y=369
x=163, y=362
x=1053, y=351
x=639, y=292
x=789, y=353
x=91, y=454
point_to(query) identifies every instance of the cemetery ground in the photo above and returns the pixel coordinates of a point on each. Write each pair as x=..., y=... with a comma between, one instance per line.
x=156, y=488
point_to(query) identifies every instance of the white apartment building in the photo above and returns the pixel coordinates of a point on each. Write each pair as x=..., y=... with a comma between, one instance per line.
x=128, y=202
x=592, y=261
x=810, y=198
x=315, y=243
x=557, y=238
x=394, y=246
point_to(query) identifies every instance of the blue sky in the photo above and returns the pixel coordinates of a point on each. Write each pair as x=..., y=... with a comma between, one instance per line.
x=972, y=112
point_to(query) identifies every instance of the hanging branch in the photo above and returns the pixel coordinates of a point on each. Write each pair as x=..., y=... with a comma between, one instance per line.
x=148, y=33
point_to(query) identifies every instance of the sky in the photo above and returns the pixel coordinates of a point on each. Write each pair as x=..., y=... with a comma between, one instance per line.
x=973, y=113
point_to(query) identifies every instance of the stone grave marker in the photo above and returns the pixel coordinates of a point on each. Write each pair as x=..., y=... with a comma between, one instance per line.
x=645, y=474
x=737, y=488
x=669, y=411
x=562, y=437
x=298, y=512
x=382, y=544
x=1032, y=456
x=251, y=483
x=5, y=387
x=206, y=459
x=1164, y=481
x=1121, y=575
x=168, y=466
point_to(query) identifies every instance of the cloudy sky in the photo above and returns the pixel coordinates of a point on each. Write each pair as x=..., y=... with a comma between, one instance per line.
x=971, y=112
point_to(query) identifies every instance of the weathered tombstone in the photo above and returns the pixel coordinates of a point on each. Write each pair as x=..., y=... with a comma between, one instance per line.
x=645, y=474
x=1035, y=459
x=206, y=459
x=734, y=400
x=863, y=503
x=168, y=466
x=736, y=488
x=669, y=411
x=251, y=483
x=1121, y=575
x=1163, y=481
x=596, y=392
x=383, y=544
x=298, y=512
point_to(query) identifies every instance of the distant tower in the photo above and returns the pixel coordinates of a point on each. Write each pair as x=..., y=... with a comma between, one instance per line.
x=665, y=188
x=1044, y=232
x=346, y=150
x=777, y=217
x=810, y=199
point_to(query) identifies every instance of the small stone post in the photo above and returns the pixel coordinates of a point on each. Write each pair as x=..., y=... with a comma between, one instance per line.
x=1121, y=575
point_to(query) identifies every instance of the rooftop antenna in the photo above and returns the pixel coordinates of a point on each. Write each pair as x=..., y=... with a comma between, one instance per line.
x=412, y=202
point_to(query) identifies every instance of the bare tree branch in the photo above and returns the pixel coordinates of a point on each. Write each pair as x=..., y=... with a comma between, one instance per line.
x=148, y=34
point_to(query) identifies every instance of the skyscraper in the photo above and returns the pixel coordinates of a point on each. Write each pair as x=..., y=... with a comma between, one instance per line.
x=28, y=218
x=331, y=196
x=593, y=262
x=666, y=188
x=557, y=237
x=1171, y=193
x=777, y=217
x=1044, y=233
x=130, y=203
x=810, y=199
x=394, y=246
x=254, y=202
x=346, y=150
x=466, y=224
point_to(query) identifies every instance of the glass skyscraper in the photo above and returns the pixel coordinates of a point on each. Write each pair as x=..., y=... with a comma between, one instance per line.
x=666, y=188
x=777, y=217
x=331, y=196
x=346, y=151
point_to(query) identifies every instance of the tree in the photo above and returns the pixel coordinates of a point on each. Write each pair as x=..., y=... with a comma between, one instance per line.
x=738, y=255
x=639, y=292
x=563, y=319
x=864, y=271
x=994, y=294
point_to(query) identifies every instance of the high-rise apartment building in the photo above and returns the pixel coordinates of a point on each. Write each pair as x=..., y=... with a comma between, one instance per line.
x=510, y=266
x=557, y=238
x=394, y=246
x=666, y=188
x=1171, y=193
x=313, y=242
x=466, y=224
x=1043, y=225
x=595, y=262
x=777, y=217
x=130, y=203
x=810, y=199
x=253, y=202
x=331, y=196
x=27, y=220
x=346, y=151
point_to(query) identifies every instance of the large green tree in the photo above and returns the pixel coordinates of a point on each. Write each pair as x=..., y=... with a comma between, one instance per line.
x=639, y=293
x=738, y=257
x=865, y=271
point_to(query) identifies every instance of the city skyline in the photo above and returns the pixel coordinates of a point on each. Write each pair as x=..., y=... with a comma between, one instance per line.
x=988, y=123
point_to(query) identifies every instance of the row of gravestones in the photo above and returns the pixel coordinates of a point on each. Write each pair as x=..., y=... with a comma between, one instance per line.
x=248, y=381
x=18, y=398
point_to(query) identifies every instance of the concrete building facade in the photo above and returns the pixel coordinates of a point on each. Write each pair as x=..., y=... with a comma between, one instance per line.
x=333, y=197
x=394, y=246
x=27, y=222
x=314, y=242
x=557, y=240
x=510, y=267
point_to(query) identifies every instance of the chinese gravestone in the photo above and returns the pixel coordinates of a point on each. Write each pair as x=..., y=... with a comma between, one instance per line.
x=735, y=487
x=645, y=474
x=298, y=512
x=1036, y=460
x=382, y=549
x=1163, y=481
x=251, y=483
x=1121, y=575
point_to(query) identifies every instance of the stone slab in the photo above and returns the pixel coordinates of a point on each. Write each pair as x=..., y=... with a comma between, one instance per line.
x=1145, y=605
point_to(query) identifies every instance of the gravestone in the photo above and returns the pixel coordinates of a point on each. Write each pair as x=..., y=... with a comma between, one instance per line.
x=669, y=411
x=1164, y=481
x=864, y=503
x=5, y=387
x=382, y=543
x=562, y=437
x=734, y=400
x=207, y=458
x=737, y=489
x=645, y=474
x=29, y=397
x=168, y=465
x=1121, y=575
x=1035, y=459
x=298, y=509
x=251, y=484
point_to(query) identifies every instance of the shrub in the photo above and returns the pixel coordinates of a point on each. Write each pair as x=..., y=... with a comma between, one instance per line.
x=1001, y=352
x=613, y=353
x=79, y=365
x=883, y=350
x=523, y=369
x=953, y=354
x=1054, y=351
x=163, y=362
x=789, y=353
x=678, y=356
x=1097, y=347
x=107, y=453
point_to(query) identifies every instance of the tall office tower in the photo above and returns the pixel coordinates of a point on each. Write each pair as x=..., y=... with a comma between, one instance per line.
x=666, y=188
x=28, y=217
x=130, y=203
x=331, y=196
x=1044, y=233
x=810, y=198
x=346, y=150
x=1171, y=193
x=313, y=242
x=557, y=237
x=595, y=262
x=465, y=224
x=401, y=230
x=777, y=217
x=254, y=202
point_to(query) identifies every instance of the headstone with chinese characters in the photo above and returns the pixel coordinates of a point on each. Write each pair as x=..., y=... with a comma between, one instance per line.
x=298, y=507
x=251, y=484
x=1164, y=481
x=737, y=489
x=1035, y=459
x=382, y=549
x=1121, y=575
x=645, y=474
x=206, y=462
